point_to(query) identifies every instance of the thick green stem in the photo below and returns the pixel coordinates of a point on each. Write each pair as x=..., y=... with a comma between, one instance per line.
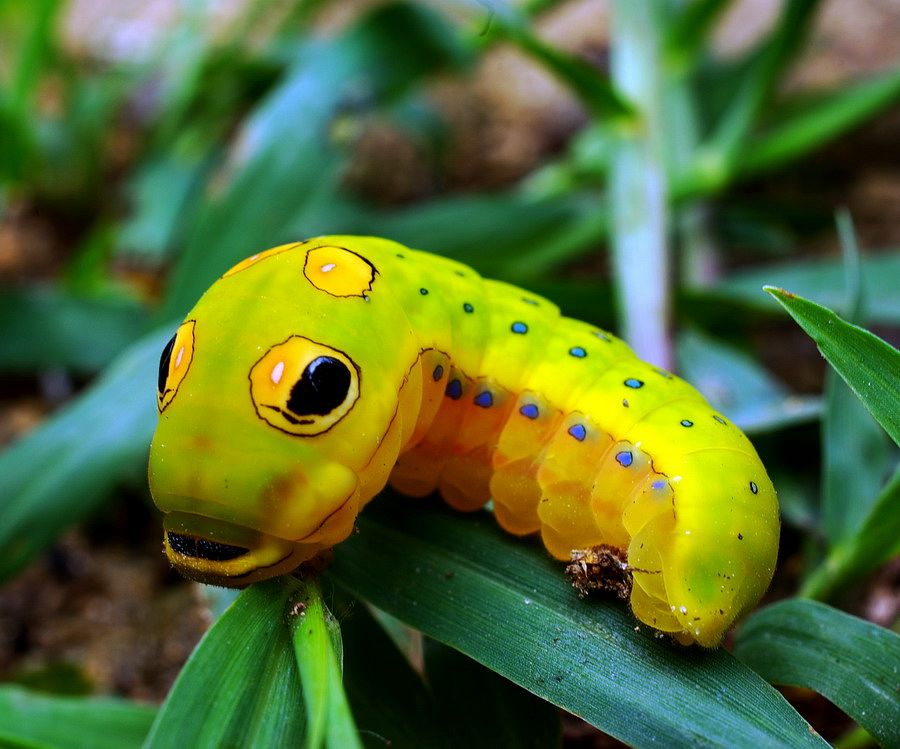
x=638, y=183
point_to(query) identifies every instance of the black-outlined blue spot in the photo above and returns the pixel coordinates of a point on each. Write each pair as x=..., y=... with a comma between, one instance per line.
x=687, y=423
x=454, y=389
x=530, y=411
x=532, y=302
x=468, y=308
x=754, y=488
x=633, y=383
x=578, y=432
x=438, y=373
x=485, y=399
x=602, y=336
x=519, y=327
x=578, y=352
x=719, y=419
x=624, y=458
x=423, y=292
x=625, y=402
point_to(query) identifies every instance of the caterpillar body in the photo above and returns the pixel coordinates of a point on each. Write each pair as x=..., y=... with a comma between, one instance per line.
x=309, y=376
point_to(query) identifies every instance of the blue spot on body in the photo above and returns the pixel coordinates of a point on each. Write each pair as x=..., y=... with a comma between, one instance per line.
x=687, y=423
x=753, y=487
x=438, y=372
x=532, y=302
x=484, y=399
x=468, y=308
x=423, y=292
x=720, y=419
x=624, y=458
x=634, y=383
x=519, y=327
x=602, y=336
x=659, y=484
x=454, y=389
x=529, y=411
x=578, y=432
x=577, y=352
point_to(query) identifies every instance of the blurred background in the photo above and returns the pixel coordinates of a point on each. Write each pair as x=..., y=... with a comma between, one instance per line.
x=147, y=146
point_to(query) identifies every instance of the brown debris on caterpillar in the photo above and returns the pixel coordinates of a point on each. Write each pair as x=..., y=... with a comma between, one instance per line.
x=603, y=568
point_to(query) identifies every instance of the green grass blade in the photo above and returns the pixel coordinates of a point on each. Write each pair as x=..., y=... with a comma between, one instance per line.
x=482, y=710
x=869, y=365
x=240, y=686
x=315, y=635
x=391, y=705
x=48, y=722
x=852, y=662
x=875, y=542
x=822, y=121
x=63, y=470
x=76, y=333
x=503, y=602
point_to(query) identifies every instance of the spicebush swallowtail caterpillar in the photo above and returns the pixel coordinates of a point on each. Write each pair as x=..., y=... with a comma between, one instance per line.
x=311, y=375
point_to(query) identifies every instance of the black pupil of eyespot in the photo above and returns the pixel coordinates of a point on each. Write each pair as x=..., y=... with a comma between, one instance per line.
x=164, y=359
x=322, y=387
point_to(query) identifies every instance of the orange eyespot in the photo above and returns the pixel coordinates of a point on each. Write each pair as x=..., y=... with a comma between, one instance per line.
x=174, y=363
x=302, y=387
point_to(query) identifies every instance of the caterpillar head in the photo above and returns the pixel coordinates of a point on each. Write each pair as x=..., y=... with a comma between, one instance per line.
x=274, y=413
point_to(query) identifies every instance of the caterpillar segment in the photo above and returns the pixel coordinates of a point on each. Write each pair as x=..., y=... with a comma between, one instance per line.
x=309, y=376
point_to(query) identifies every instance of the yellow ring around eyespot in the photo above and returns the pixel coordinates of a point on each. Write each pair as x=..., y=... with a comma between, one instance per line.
x=254, y=259
x=273, y=377
x=339, y=272
x=179, y=363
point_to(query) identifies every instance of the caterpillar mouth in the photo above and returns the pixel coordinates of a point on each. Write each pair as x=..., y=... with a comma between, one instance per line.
x=220, y=553
x=203, y=548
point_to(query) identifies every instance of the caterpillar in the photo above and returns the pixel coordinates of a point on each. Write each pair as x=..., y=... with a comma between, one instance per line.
x=309, y=376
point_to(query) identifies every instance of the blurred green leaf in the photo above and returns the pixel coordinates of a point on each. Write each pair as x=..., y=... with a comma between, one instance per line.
x=823, y=281
x=825, y=119
x=285, y=182
x=854, y=448
x=391, y=704
x=687, y=31
x=29, y=51
x=852, y=662
x=45, y=327
x=240, y=687
x=856, y=459
x=482, y=710
x=39, y=721
x=503, y=602
x=718, y=160
x=505, y=235
x=507, y=21
x=875, y=542
x=317, y=647
x=736, y=385
x=162, y=190
x=64, y=469
x=867, y=364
